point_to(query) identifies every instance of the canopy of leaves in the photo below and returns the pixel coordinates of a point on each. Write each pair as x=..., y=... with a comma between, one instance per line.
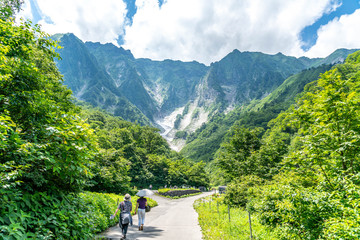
x=133, y=155
x=309, y=158
x=39, y=119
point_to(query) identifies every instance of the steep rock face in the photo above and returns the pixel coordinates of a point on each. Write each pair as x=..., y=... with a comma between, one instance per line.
x=116, y=61
x=133, y=88
x=166, y=85
x=90, y=82
x=172, y=83
x=243, y=76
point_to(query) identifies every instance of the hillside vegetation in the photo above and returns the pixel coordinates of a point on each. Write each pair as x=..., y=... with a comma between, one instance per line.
x=205, y=141
x=302, y=174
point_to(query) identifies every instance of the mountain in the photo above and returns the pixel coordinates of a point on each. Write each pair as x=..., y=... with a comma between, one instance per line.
x=169, y=84
x=338, y=56
x=90, y=82
x=243, y=76
x=205, y=141
x=178, y=97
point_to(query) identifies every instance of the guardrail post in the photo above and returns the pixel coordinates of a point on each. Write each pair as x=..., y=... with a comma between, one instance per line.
x=229, y=212
x=251, y=237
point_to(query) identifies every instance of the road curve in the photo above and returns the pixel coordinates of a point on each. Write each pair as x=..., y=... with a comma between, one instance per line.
x=171, y=219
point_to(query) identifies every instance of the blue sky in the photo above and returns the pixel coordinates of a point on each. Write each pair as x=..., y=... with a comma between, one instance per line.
x=309, y=34
x=205, y=30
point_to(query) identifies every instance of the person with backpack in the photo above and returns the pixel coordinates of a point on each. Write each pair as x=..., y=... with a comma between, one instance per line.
x=125, y=214
x=141, y=205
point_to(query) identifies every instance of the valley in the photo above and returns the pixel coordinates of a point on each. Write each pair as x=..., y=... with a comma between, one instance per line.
x=176, y=97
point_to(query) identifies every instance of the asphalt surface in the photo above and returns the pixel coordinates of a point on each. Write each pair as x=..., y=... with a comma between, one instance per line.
x=171, y=220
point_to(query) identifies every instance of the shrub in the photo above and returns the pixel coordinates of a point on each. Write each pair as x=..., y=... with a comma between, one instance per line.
x=70, y=216
x=239, y=192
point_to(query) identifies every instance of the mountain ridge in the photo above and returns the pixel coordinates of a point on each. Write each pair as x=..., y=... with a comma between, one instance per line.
x=171, y=92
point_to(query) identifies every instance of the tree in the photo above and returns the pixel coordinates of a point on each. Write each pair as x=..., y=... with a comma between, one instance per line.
x=235, y=156
x=197, y=175
x=8, y=8
x=329, y=122
x=56, y=144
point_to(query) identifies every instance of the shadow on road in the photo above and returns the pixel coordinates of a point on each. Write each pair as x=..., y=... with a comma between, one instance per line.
x=133, y=234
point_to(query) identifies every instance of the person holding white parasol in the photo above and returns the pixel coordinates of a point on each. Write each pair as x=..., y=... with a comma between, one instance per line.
x=141, y=205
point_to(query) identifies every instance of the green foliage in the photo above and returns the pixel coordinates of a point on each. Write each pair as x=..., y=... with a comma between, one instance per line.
x=177, y=121
x=52, y=141
x=133, y=155
x=181, y=134
x=241, y=190
x=44, y=216
x=315, y=194
x=8, y=8
x=235, y=157
x=197, y=176
x=328, y=118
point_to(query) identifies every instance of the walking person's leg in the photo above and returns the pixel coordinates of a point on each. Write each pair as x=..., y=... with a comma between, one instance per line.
x=141, y=213
x=124, y=230
x=139, y=218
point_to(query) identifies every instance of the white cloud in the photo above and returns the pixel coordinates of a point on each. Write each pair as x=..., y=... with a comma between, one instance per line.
x=90, y=20
x=340, y=33
x=206, y=30
x=202, y=30
x=25, y=11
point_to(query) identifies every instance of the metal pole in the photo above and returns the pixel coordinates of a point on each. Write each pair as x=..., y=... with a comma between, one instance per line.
x=251, y=237
x=229, y=212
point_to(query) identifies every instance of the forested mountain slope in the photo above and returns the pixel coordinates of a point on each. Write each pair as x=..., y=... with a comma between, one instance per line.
x=204, y=142
x=177, y=97
x=302, y=175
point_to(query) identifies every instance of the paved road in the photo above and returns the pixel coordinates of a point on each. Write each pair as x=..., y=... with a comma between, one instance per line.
x=170, y=220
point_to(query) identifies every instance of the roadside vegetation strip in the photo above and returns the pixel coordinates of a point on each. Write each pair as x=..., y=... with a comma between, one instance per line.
x=178, y=193
x=63, y=216
x=215, y=224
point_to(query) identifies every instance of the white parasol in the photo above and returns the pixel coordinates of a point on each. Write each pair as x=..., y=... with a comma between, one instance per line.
x=144, y=192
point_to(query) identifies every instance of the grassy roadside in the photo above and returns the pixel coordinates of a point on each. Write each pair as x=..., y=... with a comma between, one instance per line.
x=215, y=224
x=62, y=216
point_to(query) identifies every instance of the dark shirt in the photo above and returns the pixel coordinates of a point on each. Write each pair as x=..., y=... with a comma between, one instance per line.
x=142, y=201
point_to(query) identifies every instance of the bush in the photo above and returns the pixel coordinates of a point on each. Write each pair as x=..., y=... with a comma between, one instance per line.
x=312, y=212
x=71, y=216
x=178, y=193
x=239, y=192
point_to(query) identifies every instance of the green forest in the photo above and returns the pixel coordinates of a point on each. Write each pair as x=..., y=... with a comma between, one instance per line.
x=61, y=161
x=301, y=175
x=291, y=158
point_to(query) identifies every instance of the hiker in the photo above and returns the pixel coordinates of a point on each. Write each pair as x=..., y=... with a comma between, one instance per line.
x=125, y=214
x=140, y=208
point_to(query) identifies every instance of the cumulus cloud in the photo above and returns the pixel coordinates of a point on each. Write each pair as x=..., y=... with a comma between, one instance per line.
x=201, y=30
x=340, y=33
x=90, y=20
x=206, y=30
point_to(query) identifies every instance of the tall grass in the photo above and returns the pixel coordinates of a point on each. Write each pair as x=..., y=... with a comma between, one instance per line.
x=215, y=224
